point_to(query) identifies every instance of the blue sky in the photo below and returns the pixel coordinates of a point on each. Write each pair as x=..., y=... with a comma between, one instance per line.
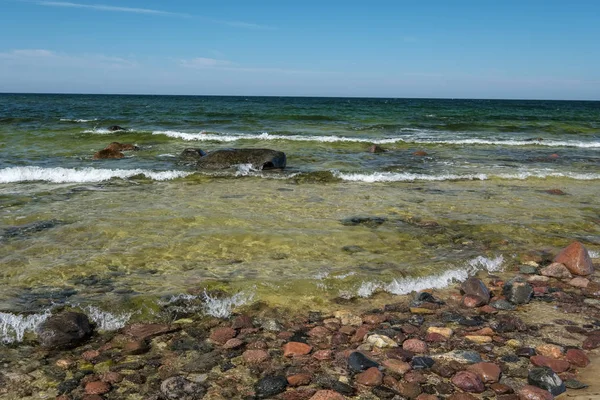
x=452, y=49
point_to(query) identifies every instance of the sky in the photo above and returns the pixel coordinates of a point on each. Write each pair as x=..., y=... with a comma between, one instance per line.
x=523, y=49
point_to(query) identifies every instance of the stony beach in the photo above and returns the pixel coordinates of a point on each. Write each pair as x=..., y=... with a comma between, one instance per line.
x=530, y=332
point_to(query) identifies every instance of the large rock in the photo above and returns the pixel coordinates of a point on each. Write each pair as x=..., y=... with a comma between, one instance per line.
x=121, y=146
x=517, y=292
x=476, y=288
x=114, y=128
x=545, y=378
x=576, y=258
x=64, y=330
x=191, y=154
x=108, y=154
x=259, y=159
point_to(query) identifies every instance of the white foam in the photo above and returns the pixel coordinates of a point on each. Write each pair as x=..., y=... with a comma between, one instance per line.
x=81, y=175
x=410, y=177
x=78, y=120
x=244, y=170
x=14, y=326
x=594, y=254
x=223, y=137
x=223, y=307
x=366, y=289
x=107, y=321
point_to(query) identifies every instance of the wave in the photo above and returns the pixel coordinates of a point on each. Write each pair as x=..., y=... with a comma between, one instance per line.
x=217, y=137
x=409, y=177
x=78, y=120
x=82, y=175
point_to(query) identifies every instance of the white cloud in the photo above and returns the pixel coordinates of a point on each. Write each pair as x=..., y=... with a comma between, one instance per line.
x=204, y=62
x=102, y=7
x=47, y=58
x=224, y=65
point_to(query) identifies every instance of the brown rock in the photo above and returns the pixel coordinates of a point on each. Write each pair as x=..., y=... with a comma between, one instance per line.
x=410, y=390
x=577, y=358
x=549, y=350
x=487, y=372
x=92, y=397
x=97, y=387
x=347, y=330
x=116, y=146
x=556, y=270
x=322, y=355
x=374, y=319
x=90, y=355
x=370, y=377
x=415, y=346
x=420, y=153
x=146, y=331
x=255, y=356
x=360, y=334
x=303, y=393
x=136, y=347
x=530, y=392
x=435, y=338
x=425, y=396
x=462, y=396
x=112, y=377
x=233, y=343
x=327, y=395
x=579, y=282
x=557, y=192
x=319, y=332
x=576, y=258
x=591, y=342
x=222, y=335
x=468, y=382
x=500, y=388
x=400, y=354
x=476, y=289
x=557, y=366
x=258, y=345
x=292, y=349
x=299, y=380
x=446, y=332
x=241, y=322
x=108, y=154
x=471, y=301
x=396, y=366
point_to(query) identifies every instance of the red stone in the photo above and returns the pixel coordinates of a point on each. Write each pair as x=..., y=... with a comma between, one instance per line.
x=374, y=319
x=462, y=396
x=468, y=382
x=370, y=377
x=327, y=395
x=420, y=153
x=322, y=355
x=576, y=258
x=90, y=355
x=415, y=345
x=233, y=343
x=292, y=349
x=360, y=334
x=435, y=338
x=97, y=387
x=255, y=356
x=241, y=322
x=396, y=366
x=471, y=301
x=347, y=330
x=146, y=331
x=425, y=396
x=500, y=388
x=577, y=358
x=136, y=347
x=319, y=332
x=487, y=372
x=299, y=379
x=557, y=366
x=530, y=392
x=112, y=377
x=222, y=335
x=591, y=342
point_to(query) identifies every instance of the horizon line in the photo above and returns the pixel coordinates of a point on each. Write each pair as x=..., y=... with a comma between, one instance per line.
x=289, y=96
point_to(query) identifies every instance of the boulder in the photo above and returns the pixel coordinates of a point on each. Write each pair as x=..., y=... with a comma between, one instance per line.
x=107, y=154
x=517, y=292
x=114, y=128
x=64, y=330
x=191, y=154
x=259, y=159
x=121, y=146
x=576, y=258
x=476, y=289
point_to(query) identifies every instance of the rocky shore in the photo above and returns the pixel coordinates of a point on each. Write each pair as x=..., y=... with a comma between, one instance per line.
x=529, y=333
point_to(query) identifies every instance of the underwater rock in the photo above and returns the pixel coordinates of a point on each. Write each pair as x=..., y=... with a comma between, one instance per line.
x=114, y=128
x=476, y=288
x=177, y=387
x=376, y=149
x=358, y=362
x=576, y=258
x=317, y=177
x=64, y=330
x=27, y=229
x=271, y=386
x=191, y=154
x=116, y=146
x=420, y=153
x=108, y=154
x=259, y=159
x=371, y=222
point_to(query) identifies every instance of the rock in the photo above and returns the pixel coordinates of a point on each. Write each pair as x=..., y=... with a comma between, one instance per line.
x=64, y=330
x=574, y=384
x=147, y=331
x=222, y=335
x=400, y=354
x=579, y=282
x=502, y=304
x=114, y=128
x=293, y=349
x=422, y=362
x=233, y=343
x=370, y=222
x=500, y=388
x=396, y=366
x=326, y=382
x=179, y=388
x=529, y=392
x=478, y=339
x=470, y=301
x=517, y=292
x=97, y=387
x=415, y=346
x=107, y=154
x=370, y=377
x=445, y=332
x=381, y=341
x=476, y=288
x=299, y=380
x=376, y=149
x=545, y=378
x=420, y=153
x=136, y=347
x=191, y=154
x=577, y=358
x=116, y=146
x=322, y=355
x=592, y=342
x=255, y=356
x=460, y=356
x=259, y=159
x=270, y=386
x=525, y=352
x=528, y=270
x=576, y=258
x=508, y=323
x=468, y=382
x=358, y=362
x=327, y=395
x=557, y=366
x=462, y=396
x=487, y=372
x=549, y=350
x=28, y=229
x=556, y=270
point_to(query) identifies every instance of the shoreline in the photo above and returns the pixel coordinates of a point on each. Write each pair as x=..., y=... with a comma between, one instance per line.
x=435, y=344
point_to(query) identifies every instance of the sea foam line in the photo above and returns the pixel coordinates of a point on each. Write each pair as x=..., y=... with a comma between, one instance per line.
x=410, y=177
x=203, y=136
x=82, y=175
x=14, y=326
x=78, y=120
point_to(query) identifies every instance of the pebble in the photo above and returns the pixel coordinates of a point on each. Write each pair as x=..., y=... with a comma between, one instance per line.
x=478, y=339
x=468, y=382
x=381, y=341
x=322, y=355
x=530, y=392
x=422, y=362
x=517, y=292
x=579, y=282
x=557, y=366
x=347, y=318
x=487, y=372
x=575, y=384
x=445, y=332
x=97, y=387
x=460, y=356
x=271, y=385
x=549, y=350
x=370, y=377
x=545, y=378
x=556, y=270
x=233, y=343
x=327, y=395
x=255, y=356
x=415, y=346
x=577, y=358
x=299, y=380
x=293, y=349
x=396, y=366
x=358, y=362
x=222, y=335
x=576, y=258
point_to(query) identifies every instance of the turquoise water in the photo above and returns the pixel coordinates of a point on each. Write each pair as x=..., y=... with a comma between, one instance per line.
x=124, y=234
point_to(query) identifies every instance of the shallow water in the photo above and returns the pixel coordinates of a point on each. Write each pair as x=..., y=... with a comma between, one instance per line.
x=125, y=233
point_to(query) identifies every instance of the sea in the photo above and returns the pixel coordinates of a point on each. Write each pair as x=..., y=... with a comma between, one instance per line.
x=460, y=186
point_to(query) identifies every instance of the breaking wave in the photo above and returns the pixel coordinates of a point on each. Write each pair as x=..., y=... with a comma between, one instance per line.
x=78, y=120
x=81, y=175
x=13, y=326
x=410, y=177
x=107, y=321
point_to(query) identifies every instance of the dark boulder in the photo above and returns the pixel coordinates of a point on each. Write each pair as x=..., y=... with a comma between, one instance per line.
x=27, y=229
x=64, y=330
x=358, y=362
x=546, y=379
x=191, y=154
x=476, y=288
x=517, y=291
x=108, y=154
x=114, y=128
x=259, y=159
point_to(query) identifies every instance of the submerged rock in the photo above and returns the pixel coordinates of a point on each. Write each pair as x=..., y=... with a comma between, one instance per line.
x=317, y=177
x=27, y=229
x=476, y=288
x=576, y=258
x=191, y=154
x=518, y=292
x=376, y=149
x=358, y=362
x=259, y=159
x=271, y=386
x=121, y=146
x=371, y=222
x=177, y=387
x=114, y=128
x=64, y=330
x=108, y=154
